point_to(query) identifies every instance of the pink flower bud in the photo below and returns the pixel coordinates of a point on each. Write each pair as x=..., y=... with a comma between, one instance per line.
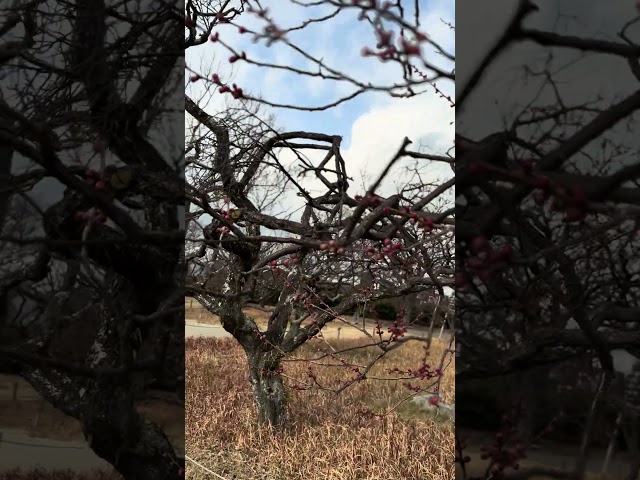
x=99, y=145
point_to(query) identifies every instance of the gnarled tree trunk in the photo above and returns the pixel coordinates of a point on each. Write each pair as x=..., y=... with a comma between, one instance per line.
x=268, y=388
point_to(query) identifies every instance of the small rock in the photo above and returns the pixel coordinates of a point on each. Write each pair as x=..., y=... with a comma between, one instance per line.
x=440, y=409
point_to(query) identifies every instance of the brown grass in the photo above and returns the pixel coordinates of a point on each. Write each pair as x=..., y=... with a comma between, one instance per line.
x=328, y=437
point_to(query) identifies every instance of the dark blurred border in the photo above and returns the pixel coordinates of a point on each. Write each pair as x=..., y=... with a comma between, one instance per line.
x=547, y=211
x=92, y=239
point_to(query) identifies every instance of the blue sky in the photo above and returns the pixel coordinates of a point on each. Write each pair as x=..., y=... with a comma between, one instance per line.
x=372, y=125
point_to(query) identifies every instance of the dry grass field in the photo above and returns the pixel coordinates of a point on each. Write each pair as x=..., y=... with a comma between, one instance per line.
x=330, y=438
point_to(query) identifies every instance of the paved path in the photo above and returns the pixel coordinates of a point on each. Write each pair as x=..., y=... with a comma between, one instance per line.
x=11, y=385
x=195, y=329
x=552, y=455
x=17, y=449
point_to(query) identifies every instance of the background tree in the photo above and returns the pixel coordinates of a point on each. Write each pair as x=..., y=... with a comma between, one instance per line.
x=546, y=215
x=90, y=217
x=341, y=249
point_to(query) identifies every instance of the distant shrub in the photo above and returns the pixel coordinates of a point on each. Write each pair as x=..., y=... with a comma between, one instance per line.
x=385, y=310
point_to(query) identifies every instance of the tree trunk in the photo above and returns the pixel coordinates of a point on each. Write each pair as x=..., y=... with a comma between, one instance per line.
x=114, y=430
x=594, y=412
x=530, y=393
x=630, y=431
x=268, y=389
x=151, y=458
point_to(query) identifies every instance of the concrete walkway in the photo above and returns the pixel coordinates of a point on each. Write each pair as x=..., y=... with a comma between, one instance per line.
x=550, y=454
x=195, y=329
x=19, y=450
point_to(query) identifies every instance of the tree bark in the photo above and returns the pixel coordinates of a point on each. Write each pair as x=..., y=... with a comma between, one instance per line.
x=596, y=407
x=151, y=457
x=268, y=389
x=115, y=431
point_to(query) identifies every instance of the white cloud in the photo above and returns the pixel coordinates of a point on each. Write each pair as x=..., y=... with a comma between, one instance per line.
x=375, y=138
x=377, y=134
x=382, y=123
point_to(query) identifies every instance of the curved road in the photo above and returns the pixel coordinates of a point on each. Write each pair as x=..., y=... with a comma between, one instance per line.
x=19, y=450
x=195, y=329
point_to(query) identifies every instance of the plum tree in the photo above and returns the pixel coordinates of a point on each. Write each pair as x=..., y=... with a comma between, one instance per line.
x=345, y=248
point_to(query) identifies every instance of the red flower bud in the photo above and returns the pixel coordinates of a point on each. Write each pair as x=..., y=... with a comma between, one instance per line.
x=579, y=195
x=540, y=196
x=475, y=168
x=461, y=279
x=575, y=214
x=543, y=182
x=475, y=262
x=485, y=276
x=410, y=48
x=479, y=244
x=99, y=145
